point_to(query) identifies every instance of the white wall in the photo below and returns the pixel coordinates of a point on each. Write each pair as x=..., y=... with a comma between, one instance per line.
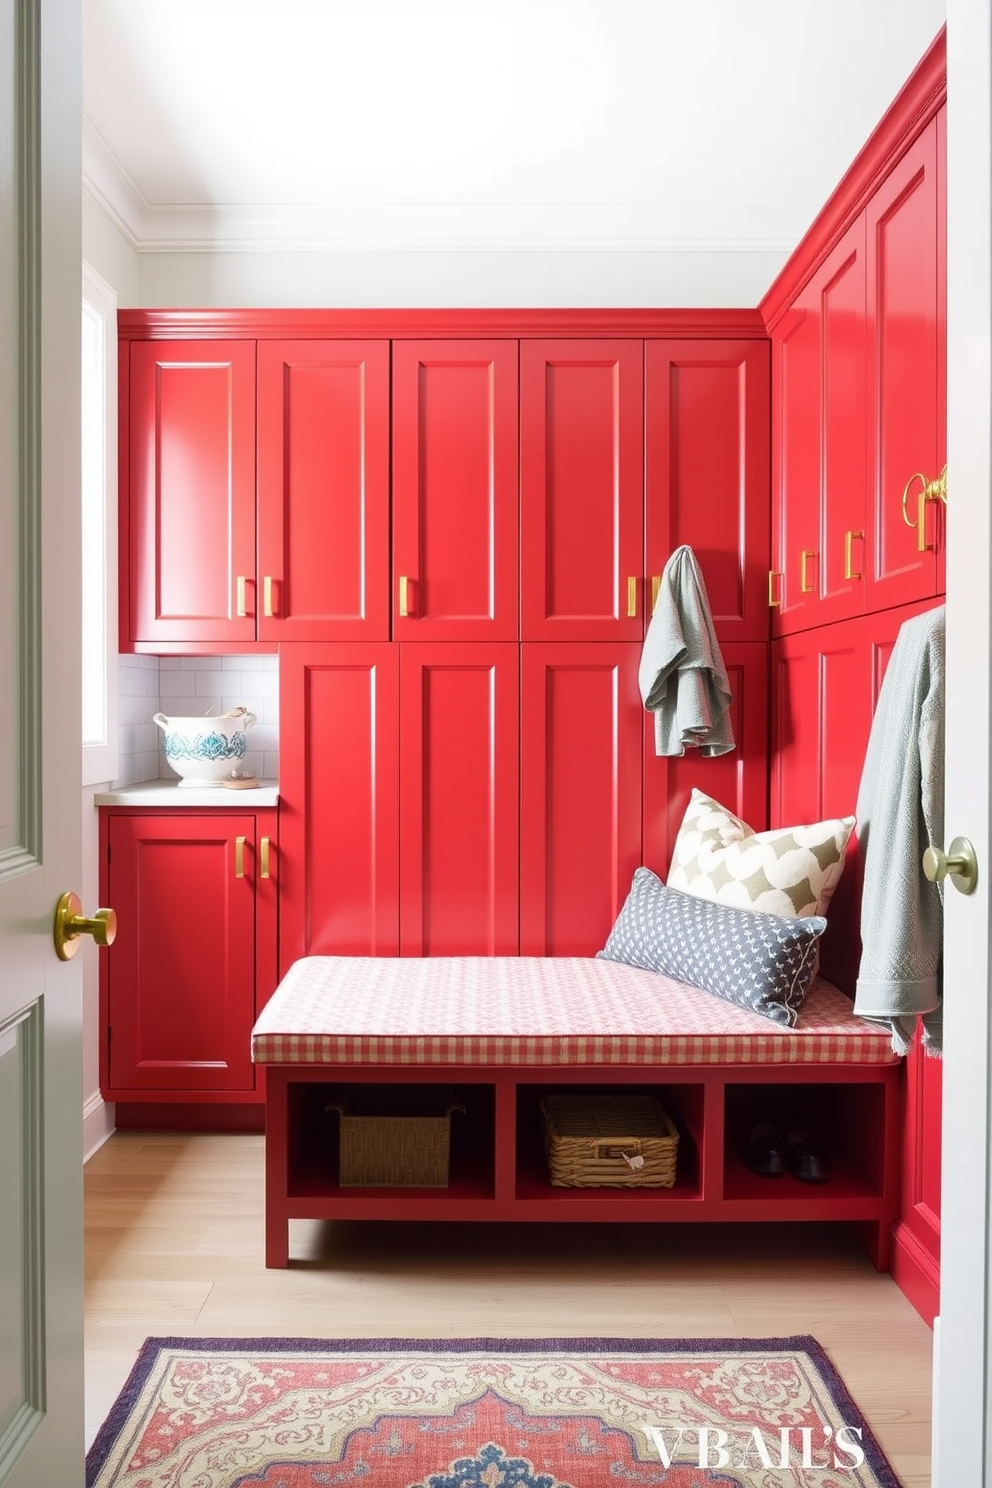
x=106, y=250
x=429, y=280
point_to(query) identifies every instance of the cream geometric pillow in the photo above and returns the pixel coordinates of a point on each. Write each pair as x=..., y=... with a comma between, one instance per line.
x=792, y=871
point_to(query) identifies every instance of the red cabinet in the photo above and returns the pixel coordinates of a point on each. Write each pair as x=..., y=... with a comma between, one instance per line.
x=188, y=493
x=707, y=476
x=459, y=799
x=339, y=801
x=399, y=800
x=582, y=490
x=819, y=463
x=907, y=415
x=738, y=780
x=859, y=409
x=455, y=503
x=195, y=954
x=323, y=490
x=580, y=793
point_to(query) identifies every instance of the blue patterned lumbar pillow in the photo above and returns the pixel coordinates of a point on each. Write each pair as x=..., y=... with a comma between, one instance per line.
x=758, y=961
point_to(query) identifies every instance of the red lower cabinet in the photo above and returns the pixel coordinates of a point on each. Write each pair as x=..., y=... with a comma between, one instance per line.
x=580, y=793
x=824, y=688
x=195, y=954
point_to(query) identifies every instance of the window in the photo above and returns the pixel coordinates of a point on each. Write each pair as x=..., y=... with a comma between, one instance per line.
x=99, y=529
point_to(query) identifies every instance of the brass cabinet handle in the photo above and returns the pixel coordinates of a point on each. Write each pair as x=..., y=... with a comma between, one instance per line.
x=242, y=603
x=919, y=522
x=655, y=587
x=239, y=857
x=267, y=596
x=71, y=923
x=631, y=597
x=848, y=541
x=263, y=858
x=773, y=574
x=805, y=587
x=404, y=596
x=961, y=862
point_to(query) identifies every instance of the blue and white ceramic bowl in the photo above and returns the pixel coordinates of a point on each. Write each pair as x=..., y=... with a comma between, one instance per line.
x=203, y=750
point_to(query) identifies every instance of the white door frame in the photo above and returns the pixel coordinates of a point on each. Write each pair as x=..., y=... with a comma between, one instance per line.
x=961, y=1441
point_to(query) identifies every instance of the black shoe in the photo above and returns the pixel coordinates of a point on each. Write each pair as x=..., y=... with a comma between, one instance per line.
x=765, y=1153
x=806, y=1157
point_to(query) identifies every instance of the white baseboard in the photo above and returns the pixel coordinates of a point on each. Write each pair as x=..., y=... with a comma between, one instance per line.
x=98, y=1124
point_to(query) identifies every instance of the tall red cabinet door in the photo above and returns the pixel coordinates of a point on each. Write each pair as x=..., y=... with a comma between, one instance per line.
x=796, y=378
x=580, y=790
x=738, y=780
x=707, y=472
x=843, y=538
x=181, y=987
x=459, y=799
x=582, y=490
x=189, y=506
x=338, y=800
x=906, y=378
x=455, y=500
x=323, y=490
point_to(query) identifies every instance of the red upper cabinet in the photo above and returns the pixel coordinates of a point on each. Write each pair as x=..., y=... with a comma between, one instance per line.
x=906, y=316
x=323, y=490
x=582, y=490
x=455, y=504
x=707, y=477
x=795, y=460
x=819, y=459
x=188, y=528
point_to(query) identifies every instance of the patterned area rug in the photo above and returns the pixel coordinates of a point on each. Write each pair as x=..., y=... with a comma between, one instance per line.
x=485, y=1413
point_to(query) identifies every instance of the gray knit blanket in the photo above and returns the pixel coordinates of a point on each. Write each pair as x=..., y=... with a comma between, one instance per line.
x=901, y=813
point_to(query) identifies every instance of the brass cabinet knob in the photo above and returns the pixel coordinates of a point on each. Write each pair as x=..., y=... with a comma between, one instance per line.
x=960, y=863
x=71, y=923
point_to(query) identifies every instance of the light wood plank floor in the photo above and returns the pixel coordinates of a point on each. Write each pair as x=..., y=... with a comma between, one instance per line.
x=174, y=1246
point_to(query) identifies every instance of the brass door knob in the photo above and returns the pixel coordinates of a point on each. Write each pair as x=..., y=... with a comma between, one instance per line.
x=961, y=863
x=71, y=923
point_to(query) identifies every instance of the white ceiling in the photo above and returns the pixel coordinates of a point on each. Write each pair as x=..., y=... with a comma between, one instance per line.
x=484, y=124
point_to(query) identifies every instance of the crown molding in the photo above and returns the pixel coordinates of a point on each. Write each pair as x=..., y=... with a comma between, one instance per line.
x=633, y=227
x=262, y=324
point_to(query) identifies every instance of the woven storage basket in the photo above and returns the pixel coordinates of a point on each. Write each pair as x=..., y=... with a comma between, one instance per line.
x=392, y=1138
x=594, y=1141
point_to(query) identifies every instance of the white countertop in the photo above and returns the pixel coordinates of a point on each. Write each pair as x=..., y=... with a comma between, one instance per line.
x=171, y=793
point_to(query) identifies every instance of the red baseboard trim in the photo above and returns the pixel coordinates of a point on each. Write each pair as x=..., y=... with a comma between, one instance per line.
x=152, y=1116
x=915, y=1273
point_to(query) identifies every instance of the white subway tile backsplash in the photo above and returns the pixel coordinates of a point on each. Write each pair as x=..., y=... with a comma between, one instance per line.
x=188, y=686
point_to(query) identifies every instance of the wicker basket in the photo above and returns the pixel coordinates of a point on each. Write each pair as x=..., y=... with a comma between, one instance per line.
x=394, y=1137
x=609, y=1141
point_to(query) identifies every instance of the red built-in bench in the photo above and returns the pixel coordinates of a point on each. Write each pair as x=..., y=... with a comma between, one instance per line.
x=504, y=1030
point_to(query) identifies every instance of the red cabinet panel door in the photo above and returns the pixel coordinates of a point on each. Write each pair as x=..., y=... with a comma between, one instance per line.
x=796, y=378
x=455, y=490
x=582, y=490
x=459, y=799
x=906, y=377
x=190, y=491
x=843, y=538
x=181, y=988
x=339, y=801
x=707, y=475
x=323, y=490
x=738, y=780
x=580, y=788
